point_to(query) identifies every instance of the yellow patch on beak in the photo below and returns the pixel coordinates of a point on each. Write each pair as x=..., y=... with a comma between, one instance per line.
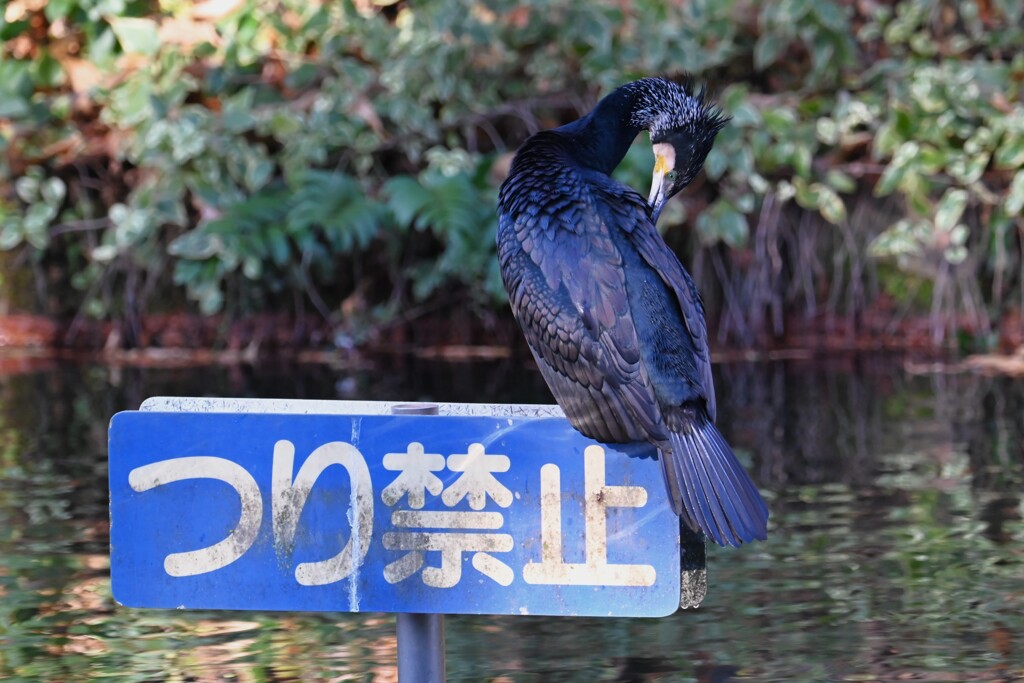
x=664, y=157
x=664, y=162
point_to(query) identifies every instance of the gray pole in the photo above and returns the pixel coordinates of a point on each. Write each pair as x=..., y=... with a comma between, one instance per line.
x=420, y=636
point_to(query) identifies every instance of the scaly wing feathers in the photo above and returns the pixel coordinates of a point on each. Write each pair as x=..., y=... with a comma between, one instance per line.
x=568, y=294
x=666, y=264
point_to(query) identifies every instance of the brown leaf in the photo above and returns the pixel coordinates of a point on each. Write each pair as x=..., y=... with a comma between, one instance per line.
x=187, y=32
x=518, y=17
x=365, y=110
x=19, y=9
x=213, y=10
x=83, y=76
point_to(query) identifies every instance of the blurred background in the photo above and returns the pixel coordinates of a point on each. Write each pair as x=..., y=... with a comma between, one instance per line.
x=297, y=173
x=296, y=199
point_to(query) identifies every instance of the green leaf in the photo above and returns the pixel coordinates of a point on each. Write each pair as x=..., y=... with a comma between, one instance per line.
x=406, y=198
x=1011, y=154
x=131, y=103
x=258, y=172
x=890, y=180
x=887, y=139
x=827, y=130
x=897, y=240
x=1012, y=10
x=27, y=188
x=830, y=204
x=36, y=224
x=791, y=11
x=277, y=241
x=335, y=203
x=840, y=181
x=823, y=54
x=195, y=245
x=13, y=29
x=101, y=48
x=283, y=124
x=968, y=169
x=958, y=235
x=745, y=115
x=15, y=89
x=53, y=191
x=802, y=160
x=722, y=222
x=806, y=194
x=758, y=183
x=716, y=164
x=745, y=203
x=136, y=35
x=831, y=16
x=950, y=208
x=931, y=159
x=59, y=9
x=768, y=48
x=237, y=115
x=785, y=191
x=132, y=224
x=1015, y=195
x=105, y=253
x=252, y=268
x=955, y=255
x=733, y=96
x=10, y=236
x=779, y=121
x=47, y=71
x=211, y=299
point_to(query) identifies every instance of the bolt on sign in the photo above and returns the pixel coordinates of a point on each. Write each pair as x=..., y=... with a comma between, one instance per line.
x=406, y=513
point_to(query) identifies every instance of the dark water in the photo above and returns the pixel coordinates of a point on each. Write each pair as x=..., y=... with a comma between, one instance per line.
x=896, y=549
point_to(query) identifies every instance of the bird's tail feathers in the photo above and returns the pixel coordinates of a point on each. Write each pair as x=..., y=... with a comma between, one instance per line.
x=709, y=488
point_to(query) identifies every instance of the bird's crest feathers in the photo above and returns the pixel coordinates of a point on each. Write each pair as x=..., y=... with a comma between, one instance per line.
x=665, y=106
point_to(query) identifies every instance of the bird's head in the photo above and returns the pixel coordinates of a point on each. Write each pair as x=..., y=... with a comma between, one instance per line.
x=683, y=124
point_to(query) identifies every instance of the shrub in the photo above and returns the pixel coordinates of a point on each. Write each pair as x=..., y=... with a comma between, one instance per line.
x=285, y=151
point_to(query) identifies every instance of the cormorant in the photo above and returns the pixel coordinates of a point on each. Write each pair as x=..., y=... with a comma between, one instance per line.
x=614, y=321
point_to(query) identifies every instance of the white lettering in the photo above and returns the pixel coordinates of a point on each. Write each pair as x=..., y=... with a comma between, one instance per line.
x=475, y=484
x=477, y=481
x=289, y=496
x=241, y=538
x=416, y=476
x=598, y=497
x=451, y=546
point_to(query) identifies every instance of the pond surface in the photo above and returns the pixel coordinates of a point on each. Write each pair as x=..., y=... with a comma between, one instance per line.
x=896, y=549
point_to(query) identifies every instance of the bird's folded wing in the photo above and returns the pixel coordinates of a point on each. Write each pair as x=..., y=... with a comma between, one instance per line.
x=568, y=294
x=662, y=260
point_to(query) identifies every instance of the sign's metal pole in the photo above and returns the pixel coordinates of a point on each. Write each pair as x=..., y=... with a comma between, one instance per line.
x=420, y=636
x=420, y=648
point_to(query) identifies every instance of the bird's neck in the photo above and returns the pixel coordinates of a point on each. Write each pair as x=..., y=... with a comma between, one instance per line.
x=602, y=137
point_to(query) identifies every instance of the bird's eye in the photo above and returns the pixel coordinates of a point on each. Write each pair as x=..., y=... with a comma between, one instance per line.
x=671, y=176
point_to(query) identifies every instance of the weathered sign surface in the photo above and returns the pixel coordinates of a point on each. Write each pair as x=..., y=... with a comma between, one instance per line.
x=442, y=514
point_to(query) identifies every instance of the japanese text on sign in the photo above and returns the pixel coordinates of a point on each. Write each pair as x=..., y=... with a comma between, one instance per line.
x=468, y=515
x=449, y=533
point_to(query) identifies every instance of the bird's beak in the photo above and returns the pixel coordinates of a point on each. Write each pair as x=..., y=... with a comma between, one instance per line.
x=664, y=159
x=656, y=199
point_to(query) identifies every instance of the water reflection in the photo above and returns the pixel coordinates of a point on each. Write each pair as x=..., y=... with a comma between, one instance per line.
x=895, y=552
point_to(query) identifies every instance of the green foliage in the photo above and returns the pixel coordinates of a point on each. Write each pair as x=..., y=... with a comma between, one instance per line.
x=460, y=209
x=286, y=150
x=820, y=28
x=291, y=237
x=43, y=197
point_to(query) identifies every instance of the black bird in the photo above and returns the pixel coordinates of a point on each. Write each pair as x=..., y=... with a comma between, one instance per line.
x=612, y=317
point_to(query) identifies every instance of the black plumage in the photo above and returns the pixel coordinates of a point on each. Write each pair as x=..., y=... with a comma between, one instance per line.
x=612, y=317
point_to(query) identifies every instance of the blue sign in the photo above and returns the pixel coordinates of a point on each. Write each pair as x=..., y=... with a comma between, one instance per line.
x=433, y=514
